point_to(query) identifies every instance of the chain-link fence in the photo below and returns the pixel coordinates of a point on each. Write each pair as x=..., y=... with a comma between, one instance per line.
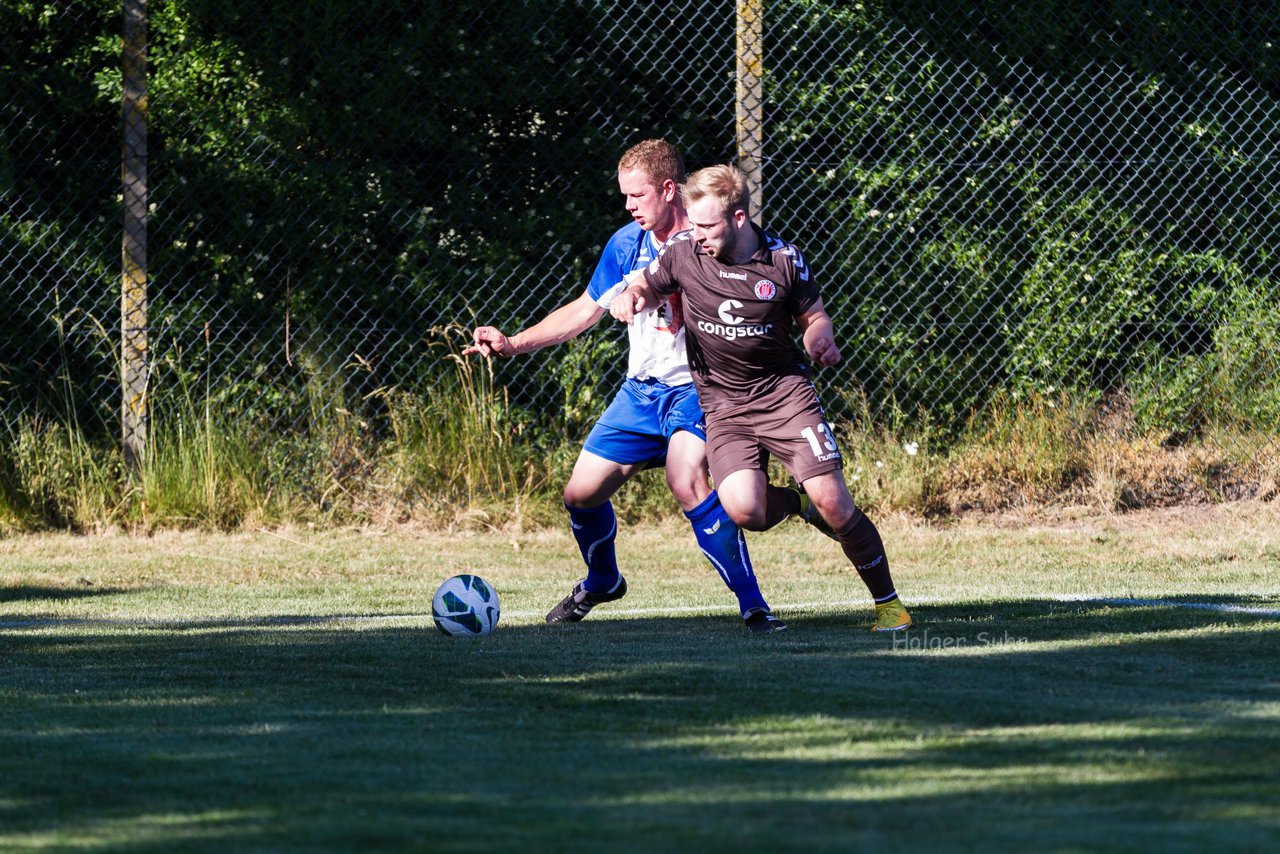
x=999, y=201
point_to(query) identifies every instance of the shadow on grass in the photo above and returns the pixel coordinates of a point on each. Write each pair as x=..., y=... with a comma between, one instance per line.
x=1086, y=724
x=28, y=593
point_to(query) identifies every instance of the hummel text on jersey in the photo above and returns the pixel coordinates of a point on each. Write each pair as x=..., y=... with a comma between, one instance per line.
x=742, y=277
x=732, y=333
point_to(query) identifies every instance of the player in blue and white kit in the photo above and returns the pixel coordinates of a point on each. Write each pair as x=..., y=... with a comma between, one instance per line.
x=655, y=418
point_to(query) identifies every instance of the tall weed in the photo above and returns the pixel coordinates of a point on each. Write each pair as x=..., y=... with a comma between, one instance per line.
x=456, y=454
x=1016, y=453
x=54, y=478
x=458, y=451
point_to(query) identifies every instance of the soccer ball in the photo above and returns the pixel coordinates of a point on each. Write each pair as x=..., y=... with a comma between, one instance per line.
x=465, y=605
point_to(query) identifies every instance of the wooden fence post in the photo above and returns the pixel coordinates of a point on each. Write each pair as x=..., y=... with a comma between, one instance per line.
x=134, y=367
x=750, y=97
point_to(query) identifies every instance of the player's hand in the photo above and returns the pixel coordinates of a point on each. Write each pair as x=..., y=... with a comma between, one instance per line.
x=824, y=352
x=626, y=305
x=489, y=341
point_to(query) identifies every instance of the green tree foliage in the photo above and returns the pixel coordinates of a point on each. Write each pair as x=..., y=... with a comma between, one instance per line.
x=59, y=216
x=346, y=175
x=996, y=199
x=1026, y=199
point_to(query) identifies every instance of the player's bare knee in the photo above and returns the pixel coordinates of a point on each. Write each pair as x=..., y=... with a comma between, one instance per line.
x=839, y=513
x=747, y=517
x=583, y=496
x=686, y=497
x=687, y=489
x=573, y=499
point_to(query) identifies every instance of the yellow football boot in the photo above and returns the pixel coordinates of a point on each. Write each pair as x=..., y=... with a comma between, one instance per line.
x=891, y=616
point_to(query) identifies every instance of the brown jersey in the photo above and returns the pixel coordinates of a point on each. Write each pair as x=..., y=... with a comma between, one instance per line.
x=738, y=317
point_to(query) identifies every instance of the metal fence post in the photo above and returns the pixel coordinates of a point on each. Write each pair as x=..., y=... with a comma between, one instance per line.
x=133, y=287
x=750, y=96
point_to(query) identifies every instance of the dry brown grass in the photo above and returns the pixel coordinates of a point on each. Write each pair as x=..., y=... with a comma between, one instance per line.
x=1058, y=452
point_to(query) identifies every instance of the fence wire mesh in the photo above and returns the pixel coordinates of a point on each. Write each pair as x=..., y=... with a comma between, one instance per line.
x=1001, y=203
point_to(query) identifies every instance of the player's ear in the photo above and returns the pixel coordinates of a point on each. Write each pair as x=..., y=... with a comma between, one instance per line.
x=669, y=190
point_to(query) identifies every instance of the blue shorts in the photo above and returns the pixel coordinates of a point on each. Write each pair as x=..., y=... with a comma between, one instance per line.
x=641, y=421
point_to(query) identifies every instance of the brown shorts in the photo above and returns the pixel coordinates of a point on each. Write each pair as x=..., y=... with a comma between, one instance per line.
x=786, y=421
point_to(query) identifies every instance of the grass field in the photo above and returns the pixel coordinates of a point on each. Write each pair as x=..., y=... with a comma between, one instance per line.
x=287, y=690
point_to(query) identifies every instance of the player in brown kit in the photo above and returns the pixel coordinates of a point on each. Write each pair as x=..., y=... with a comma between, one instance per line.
x=743, y=292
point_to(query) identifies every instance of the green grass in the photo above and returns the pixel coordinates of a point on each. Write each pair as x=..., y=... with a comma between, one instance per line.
x=277, y=690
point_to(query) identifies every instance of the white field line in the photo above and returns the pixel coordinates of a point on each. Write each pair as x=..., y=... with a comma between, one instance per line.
x=1083, y=598
x=1220, y=607
x=789, y=608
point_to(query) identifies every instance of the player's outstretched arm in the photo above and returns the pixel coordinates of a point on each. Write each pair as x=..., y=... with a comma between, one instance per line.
x=568, y=321
x=819, y=336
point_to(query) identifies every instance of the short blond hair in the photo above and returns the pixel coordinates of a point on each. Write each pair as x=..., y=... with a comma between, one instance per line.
x=656, y=158
x=724, y=183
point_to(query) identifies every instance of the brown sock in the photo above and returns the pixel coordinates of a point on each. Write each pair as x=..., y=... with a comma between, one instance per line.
x=864, y=548
x=780, y=503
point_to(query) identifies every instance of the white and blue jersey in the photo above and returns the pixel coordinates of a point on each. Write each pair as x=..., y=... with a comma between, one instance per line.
x=656, y=338
x=657, y=398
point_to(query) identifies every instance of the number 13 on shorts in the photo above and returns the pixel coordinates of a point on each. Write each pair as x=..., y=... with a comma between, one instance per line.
x=821, y=441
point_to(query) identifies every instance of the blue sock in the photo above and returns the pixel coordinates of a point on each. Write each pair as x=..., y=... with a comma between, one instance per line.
x=595, y=529
x=725, y=546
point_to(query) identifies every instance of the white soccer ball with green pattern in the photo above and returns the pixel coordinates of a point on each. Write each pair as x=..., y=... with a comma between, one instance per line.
x=465, y=605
